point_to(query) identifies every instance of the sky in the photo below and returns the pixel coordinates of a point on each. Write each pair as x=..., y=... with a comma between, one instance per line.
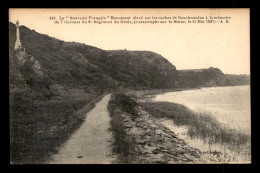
x=186, y=46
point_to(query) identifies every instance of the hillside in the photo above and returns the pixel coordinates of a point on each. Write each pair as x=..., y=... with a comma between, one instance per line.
x=144, y=68
x=69, y=65
x=75, y=65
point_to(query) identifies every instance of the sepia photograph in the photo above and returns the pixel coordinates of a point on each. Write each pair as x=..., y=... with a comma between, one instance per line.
x=129, y=86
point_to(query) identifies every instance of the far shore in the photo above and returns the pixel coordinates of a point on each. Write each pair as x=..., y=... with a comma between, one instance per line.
x=148, y=94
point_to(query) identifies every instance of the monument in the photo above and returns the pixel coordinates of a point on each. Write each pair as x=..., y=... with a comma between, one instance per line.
x=18, y=44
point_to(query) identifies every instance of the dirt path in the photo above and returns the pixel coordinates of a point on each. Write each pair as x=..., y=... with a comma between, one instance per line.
x=91, y=142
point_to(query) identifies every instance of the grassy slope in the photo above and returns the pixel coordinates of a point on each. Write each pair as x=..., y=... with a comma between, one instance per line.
x=37, y=129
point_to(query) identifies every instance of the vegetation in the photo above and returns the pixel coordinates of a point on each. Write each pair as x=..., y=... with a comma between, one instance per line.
x=123, y=144
x=37, y=128
x=199, y=124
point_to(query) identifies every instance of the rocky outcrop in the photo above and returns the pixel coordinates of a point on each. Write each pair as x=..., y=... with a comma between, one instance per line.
x=34, y=63
x=36, y=66
x=26, y=73
x=157, y=144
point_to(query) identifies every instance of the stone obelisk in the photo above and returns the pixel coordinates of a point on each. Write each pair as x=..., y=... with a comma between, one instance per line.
x=18, y=44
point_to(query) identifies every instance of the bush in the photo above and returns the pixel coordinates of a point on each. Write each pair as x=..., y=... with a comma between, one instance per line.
x=125, y=103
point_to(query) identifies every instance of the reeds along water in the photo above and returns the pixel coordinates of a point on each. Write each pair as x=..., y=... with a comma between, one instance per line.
x=211, y=143
x=220, y=117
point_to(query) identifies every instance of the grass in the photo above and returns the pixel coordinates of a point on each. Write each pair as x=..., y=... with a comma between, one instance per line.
x=202, y=125
x=38, y=128
x=123, y=144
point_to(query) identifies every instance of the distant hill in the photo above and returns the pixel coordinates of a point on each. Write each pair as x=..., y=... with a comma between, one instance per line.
x=241, y=79
x=210, y=77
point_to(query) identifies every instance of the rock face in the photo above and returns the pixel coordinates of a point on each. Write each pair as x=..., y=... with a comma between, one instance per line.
x=26, y=59
x=157, y=144
x=26, y=74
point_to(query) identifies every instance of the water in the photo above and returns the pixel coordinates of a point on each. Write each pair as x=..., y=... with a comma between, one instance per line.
x=229, y=105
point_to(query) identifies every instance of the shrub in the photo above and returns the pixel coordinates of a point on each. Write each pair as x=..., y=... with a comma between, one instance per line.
x=126, y=103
